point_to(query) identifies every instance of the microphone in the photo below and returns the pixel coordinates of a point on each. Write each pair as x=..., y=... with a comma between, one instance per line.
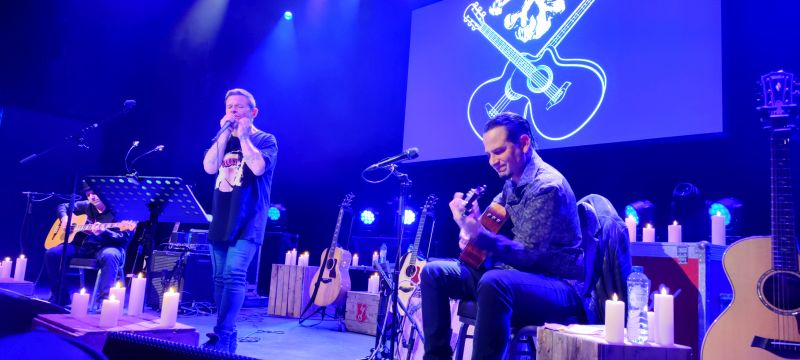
x=128, y=105
x=135, y=144
x=410, y=154
x=227, y=126
x=157, y=148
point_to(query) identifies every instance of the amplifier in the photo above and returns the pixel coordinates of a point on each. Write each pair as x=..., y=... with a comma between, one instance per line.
x=189, y=272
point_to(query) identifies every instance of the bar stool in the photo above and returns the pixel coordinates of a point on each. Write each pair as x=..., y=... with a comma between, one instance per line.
x=523, y=341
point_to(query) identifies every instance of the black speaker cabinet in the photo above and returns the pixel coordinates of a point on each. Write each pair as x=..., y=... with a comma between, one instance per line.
x=189, y=272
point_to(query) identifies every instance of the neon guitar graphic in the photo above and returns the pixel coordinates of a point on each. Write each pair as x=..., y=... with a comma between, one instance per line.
x=559, y=96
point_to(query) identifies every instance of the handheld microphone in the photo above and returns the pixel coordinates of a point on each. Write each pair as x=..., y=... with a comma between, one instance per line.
x=226, y=126
x=410, y=154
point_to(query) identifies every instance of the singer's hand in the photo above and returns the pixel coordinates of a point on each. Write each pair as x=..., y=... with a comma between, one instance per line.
x=242, y=127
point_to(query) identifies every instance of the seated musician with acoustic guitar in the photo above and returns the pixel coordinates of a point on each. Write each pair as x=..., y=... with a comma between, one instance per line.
x=526, y=279
x=97, y=241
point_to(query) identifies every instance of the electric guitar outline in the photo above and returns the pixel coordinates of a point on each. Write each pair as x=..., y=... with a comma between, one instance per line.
x=537, y=78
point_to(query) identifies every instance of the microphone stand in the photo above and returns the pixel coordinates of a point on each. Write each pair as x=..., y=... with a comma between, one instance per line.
x=405, y=187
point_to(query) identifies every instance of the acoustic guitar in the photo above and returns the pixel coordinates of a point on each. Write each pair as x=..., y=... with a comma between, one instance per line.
x=493, y=219
x=333, y=273
x=762, y=321
x=412, y=264
x=55, y=236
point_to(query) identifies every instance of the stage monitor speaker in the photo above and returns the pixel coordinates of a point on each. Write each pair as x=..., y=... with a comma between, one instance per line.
x=275, y=246
x=19, y=311
x=189, y=272
x=126, y=345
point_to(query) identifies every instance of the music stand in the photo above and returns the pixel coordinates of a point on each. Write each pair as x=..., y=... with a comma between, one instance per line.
x=148, y=198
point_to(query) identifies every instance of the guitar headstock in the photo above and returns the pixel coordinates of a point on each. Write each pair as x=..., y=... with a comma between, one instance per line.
x=471, y=196
x=474, y=15
x=430, y=202
x=348, y=200
x=127, y=225
x=778, y=95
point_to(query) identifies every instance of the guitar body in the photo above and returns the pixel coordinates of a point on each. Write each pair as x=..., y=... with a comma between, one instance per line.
x=561, y=97
x=55, y=236
x=748, y=266
x=335, y=282
x=409, y=280
x=493, y=219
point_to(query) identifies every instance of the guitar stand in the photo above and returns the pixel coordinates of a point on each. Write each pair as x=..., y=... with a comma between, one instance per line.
x=338, y=313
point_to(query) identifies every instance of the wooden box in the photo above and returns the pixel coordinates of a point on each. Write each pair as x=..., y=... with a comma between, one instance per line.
x=88, y=331
x=696, y=270
x=557, y=345
x=361, y=312
x=288, y=289
x=21, y=287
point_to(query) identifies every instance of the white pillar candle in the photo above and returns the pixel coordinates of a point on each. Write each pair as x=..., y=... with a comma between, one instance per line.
x=6, y=271
x=651, y=326
x=355, y=259
x=374, y=284
x=304, y=259
x=374, y=258
x=630, y=223
x=286, y=258
x=169, y=308
x=109, y=313
x=20, y=267
x=119, y=293
x=80, y=304
x=648, y=234
x=293, y=258
x=615, y=321
x=664, y=314
x=674, y=234
x=718, y=229
x=136, y=300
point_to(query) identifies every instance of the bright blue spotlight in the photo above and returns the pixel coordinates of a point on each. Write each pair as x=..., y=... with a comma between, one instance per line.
x=287, y=15
x=409, y=217
x=631, y=212
x=367, y=217
x=718, y=208
x=273, y=213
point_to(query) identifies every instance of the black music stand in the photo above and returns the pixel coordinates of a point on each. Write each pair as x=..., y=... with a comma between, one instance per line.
x=148, y=198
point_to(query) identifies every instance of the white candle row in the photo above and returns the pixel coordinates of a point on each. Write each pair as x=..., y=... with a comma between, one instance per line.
x=19, y=268
x=674, y=231
x=303, y=259
x=291, y=258
x=660, y=322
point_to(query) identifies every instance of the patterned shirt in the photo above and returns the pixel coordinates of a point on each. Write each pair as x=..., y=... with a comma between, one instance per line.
x=547, y=235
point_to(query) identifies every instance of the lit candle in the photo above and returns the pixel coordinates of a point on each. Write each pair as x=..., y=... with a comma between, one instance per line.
x=615, y=321
x=374, y=284
x=287, y=257
x=136, y=300
x=306, y=255
x=664, y=317
x=80, y=304
x=169, y=308
x=119, y=293
x=109, y=313
x=648, y=234
x=20, y=267
x=651, y=326
x=293, y=258
x=630, y=223
x=6, y=271
x=718, y=229
x=374, y=258
x=674, y=232
x=355, y=259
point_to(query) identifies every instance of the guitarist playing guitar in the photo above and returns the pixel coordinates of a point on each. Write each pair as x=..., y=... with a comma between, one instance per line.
x=763, y=321
x=526, y=277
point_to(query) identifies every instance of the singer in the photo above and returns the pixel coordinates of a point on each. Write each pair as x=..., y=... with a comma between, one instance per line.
x=243, y=157
x=527, y=281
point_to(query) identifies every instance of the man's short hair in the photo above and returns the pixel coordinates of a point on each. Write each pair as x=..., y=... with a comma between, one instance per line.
x=250, y=99
x=515, y=125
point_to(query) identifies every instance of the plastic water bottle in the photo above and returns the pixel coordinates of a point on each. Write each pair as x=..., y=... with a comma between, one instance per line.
x=638, y=291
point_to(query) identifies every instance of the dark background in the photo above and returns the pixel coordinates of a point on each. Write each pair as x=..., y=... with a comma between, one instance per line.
x=330, y=85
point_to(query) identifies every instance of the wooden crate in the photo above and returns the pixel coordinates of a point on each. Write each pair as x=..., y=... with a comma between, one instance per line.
x=21, y=287
x=88, y=331
x=288, y=289
x=361, y=312
x=553, y=344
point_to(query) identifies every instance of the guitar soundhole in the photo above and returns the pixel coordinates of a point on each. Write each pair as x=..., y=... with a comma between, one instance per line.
x=780, y=291
x=411, y=270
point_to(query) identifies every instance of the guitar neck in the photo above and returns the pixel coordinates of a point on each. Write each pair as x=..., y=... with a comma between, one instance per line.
x=507, y=50
x=417, y=240
x=567, y=25
x=784, y=249
x=336, y=232
x=102, y=226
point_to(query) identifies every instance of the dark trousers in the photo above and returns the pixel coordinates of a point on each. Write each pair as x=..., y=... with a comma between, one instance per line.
x=109, y=259
x=505, y=298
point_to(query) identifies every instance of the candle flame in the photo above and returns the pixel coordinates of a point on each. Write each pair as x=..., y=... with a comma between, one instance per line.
x=8, y=258
x=21, y=256
x=355, y=255
x=172, y=290
x=374, y=274
x=649, y=226
x=675, y=222
x=615, y=298
x=119, y=284
x=112, y=297
x=305, y=253
x=664, y=290
x=719, y=213
x=83, y=291
x=141, y=275
x=375, y=253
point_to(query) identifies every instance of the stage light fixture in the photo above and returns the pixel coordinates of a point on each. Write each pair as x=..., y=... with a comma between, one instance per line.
x=367, y=217
x=288, y=15
x=409, y=217
x=277, y=217
x=730, y=209
x=641, y=210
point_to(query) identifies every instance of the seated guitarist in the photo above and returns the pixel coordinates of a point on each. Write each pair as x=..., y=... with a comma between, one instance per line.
x=529, y=281
x=107, y=246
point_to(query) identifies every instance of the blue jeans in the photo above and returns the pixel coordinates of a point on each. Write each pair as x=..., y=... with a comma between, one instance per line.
x=109, y=259
x=230, y=264
x=505, y=298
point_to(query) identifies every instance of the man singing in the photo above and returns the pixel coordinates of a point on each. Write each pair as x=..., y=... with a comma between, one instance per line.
x=526, y=282
x=244, y=159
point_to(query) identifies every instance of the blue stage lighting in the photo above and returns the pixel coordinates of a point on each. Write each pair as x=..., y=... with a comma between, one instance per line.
x=729, y=208
x=367, y=217
x=287, y=15
x=409, y=217
x=641, y=210
x=273, y=213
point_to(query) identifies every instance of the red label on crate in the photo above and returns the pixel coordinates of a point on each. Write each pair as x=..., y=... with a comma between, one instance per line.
x=361, y=312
